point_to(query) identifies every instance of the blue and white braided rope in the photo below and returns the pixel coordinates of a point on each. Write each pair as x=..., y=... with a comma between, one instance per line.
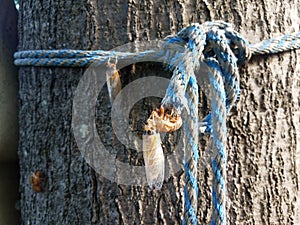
x=210, y=42
x=80, y=58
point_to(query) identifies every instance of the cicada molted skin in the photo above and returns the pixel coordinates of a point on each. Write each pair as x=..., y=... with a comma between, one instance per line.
x=166, y=122
x=36, y=180
x=113, y=81
x=154, y=158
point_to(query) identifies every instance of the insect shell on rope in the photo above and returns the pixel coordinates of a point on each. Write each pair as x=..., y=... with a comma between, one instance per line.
x=166, y=121
x=159, y=121
x=113, y=80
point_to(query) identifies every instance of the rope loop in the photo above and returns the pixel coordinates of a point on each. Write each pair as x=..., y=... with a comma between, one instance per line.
x=202, y=41
x=222, y=49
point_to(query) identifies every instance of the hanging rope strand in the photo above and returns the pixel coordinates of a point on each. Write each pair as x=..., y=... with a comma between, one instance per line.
x=183, y=92
x=191, y=156
x=218, y=144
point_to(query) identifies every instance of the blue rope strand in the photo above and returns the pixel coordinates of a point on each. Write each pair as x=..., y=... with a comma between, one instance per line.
x=219, y=144
x=185, y=84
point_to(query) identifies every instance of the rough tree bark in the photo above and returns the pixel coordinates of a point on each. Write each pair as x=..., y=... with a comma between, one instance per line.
x=263, y=140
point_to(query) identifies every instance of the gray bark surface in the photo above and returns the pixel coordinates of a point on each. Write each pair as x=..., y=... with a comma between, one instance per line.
x=263, y=129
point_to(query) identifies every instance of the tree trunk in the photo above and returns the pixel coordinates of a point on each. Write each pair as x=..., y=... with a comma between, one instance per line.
x=263, y=139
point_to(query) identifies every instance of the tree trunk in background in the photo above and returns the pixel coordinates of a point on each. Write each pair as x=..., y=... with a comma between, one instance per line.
x=263, y=140
x=8, y=82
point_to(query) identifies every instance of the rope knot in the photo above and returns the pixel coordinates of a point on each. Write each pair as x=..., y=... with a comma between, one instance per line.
x=226, y=35
x=219, y=46
x=221, y=49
